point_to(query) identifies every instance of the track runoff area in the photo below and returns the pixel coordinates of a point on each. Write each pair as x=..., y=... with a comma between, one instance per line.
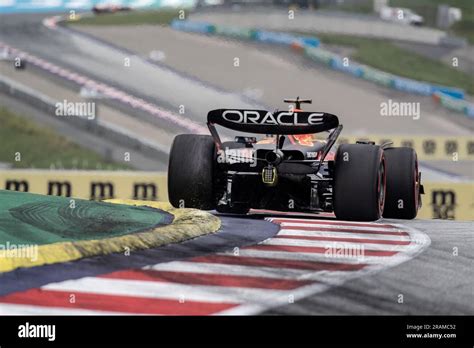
x=305, y=257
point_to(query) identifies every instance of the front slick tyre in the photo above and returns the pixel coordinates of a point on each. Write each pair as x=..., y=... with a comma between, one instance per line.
x=359, y=182
x=190, y=172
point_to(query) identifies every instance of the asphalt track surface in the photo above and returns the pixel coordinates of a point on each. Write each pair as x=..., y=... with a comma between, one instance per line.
x=433, y=279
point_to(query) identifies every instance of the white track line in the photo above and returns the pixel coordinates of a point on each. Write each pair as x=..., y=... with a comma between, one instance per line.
x=252, y=271
x=290, y=232
x=172, y=291
x=332, y=245
x=316, y=226
x=22, y=309
x=279, y=220
x=314, y=257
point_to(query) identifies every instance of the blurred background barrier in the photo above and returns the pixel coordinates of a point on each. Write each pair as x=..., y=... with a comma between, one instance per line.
x=377, y=76
x=454, y=104
x=427, y=147
x=235, y=32
x=470, y=111
x=311, y=49
x=284, y=38
x=318, y=55
x=454, y=201
x=96, y=185
x=411, y=86
x=452, y=92
x=265, y=36
x=195, y=27
x=380, y=77
x=442, y=200
x=354, y=69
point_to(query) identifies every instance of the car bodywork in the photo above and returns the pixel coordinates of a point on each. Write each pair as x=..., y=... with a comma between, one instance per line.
x=289, y=170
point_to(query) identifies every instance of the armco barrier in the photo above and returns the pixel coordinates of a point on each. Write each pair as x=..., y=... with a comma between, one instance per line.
x=265, y=36
x=380, y=77
x=454, y=104
x=452, y=92
x=428, y=148
x=311, y=41
x=377, y=76
x=275, y=38
x=411, y=86
x=195, y=27
x=235, y=32
x=442, y=200
x=470, y=111
x=318, y=54
x=353, y=69
x=284, y=38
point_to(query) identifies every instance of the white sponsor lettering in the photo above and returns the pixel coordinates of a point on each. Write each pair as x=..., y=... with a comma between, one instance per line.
x=277, y=119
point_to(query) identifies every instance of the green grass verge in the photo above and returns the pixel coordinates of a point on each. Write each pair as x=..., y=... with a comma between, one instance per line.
x=161, y=17
x=40, y=147
x=390, y=58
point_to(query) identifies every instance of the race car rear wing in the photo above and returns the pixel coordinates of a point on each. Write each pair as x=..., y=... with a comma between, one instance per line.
x=266, y=122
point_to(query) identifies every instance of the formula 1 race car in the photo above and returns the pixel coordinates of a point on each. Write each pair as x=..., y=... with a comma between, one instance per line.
x=290, y=170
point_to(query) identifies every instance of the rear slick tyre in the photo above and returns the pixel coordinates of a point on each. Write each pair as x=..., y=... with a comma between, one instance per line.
x=403, y=188
x=190, y=172
x=359, y=182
